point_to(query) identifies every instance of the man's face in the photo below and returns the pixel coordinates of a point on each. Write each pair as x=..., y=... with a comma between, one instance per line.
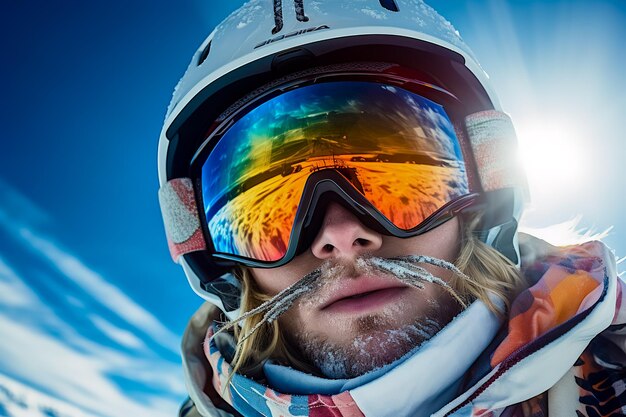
x=358, y=319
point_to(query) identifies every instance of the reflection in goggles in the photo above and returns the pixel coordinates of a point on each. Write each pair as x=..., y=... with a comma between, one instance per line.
x=397, y=148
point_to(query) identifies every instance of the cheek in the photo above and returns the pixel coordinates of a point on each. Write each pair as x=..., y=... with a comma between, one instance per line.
x=442, y=242
x=267, y=280
x=274, y=280
x=295, y=322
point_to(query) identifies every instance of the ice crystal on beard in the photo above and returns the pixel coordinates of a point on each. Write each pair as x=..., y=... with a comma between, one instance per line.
x=277, y=305
x=368, y=352
x=404, y=268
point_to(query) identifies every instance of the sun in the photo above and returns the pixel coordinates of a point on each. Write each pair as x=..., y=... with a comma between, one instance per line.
x=550, y=151
x=553, y=157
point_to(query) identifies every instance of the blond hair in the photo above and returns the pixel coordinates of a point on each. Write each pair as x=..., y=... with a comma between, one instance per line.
x=491, y=274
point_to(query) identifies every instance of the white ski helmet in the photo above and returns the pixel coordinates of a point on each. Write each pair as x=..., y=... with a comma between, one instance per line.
x=265, y=44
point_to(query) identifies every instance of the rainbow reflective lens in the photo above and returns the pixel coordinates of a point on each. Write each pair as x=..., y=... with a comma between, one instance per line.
x=396, y=148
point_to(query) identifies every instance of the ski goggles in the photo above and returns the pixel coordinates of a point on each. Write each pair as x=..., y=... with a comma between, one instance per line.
x=390, y=154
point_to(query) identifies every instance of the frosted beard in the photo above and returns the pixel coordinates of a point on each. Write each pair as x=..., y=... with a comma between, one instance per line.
x=379, y=343
x=379, y=339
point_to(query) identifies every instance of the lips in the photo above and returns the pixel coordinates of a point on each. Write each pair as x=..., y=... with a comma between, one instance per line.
x=362, y=294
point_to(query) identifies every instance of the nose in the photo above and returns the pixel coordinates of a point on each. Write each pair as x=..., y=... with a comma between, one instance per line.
x=343, y=236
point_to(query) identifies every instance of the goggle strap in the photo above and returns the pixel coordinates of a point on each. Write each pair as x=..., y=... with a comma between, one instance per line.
x=494, y=144
x=181, y=218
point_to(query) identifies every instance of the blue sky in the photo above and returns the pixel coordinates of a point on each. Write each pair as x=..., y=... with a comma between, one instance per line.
x=87, y=287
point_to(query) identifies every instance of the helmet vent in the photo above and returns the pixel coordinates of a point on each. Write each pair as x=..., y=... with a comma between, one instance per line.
x=278, y=14
x=299, y=4
x=205, y=53
x=390, y=5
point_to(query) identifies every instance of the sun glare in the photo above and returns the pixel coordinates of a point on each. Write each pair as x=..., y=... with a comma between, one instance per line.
x=552, y=155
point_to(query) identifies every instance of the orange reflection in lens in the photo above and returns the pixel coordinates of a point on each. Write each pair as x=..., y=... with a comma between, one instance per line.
x=405, y=193
x=408, y=193
x=257, y=223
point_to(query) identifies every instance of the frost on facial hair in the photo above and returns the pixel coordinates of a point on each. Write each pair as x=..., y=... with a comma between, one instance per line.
x=404, y=268
x=369, y=351
x=277, y=305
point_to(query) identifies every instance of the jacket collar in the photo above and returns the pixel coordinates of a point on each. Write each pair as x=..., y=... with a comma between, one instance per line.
x=576, y=295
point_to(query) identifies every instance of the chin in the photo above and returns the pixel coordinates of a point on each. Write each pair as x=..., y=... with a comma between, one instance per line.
x=374, y=343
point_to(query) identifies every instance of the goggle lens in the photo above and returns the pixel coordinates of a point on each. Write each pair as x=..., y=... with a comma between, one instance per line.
x=397, y=148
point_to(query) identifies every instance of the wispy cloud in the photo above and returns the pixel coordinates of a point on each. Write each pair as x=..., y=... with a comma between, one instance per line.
x=100, y=289
x=69, y=332
x=16, y=221
x=20, y=400
x=123, y=337
x=81, y=378
x=13, y=292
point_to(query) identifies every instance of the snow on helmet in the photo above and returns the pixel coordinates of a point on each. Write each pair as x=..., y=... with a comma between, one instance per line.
x=265, y=43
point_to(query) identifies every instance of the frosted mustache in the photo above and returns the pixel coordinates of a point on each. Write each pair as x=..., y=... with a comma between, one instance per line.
x=404, y=268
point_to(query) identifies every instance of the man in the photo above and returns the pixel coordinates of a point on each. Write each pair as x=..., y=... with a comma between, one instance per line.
x=339, y=183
